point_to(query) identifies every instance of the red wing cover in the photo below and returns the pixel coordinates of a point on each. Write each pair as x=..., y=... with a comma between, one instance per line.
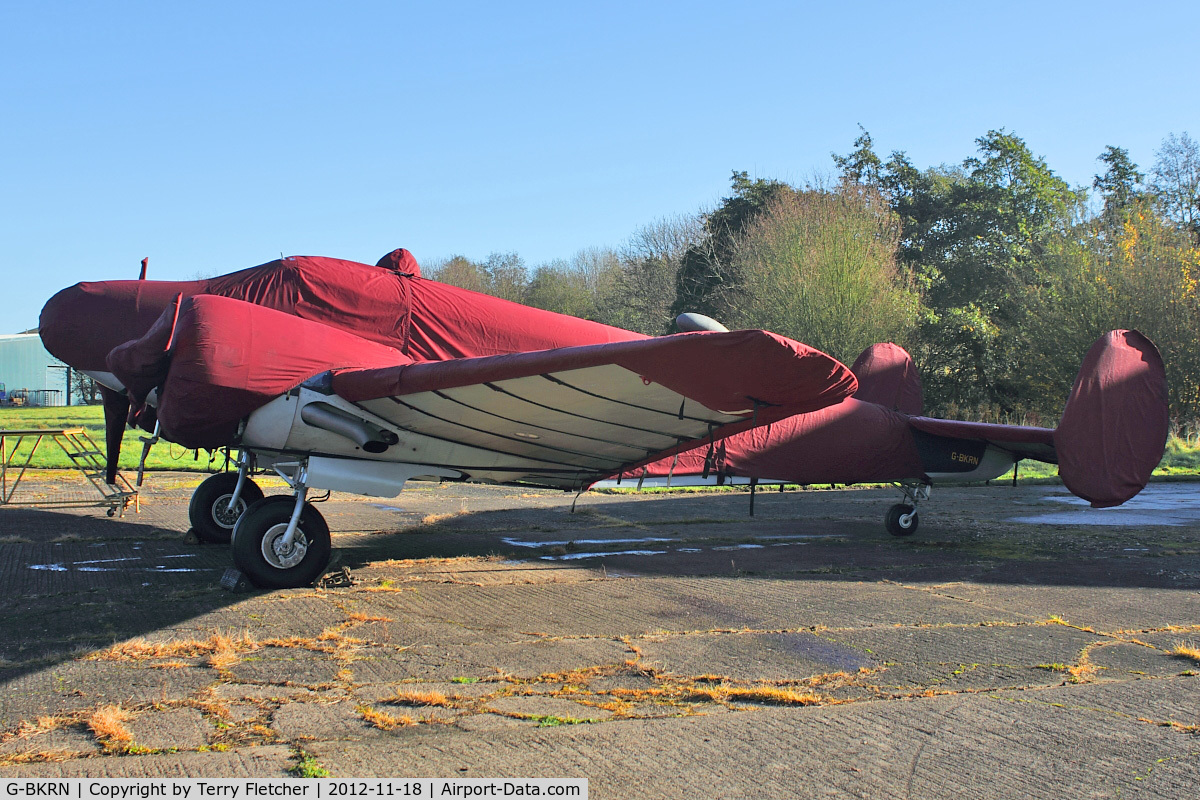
x=729, y=372
x=888, y=377
x=570, y=416
x=1114, y=426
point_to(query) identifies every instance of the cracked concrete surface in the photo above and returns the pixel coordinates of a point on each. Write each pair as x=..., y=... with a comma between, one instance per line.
x=801, y=652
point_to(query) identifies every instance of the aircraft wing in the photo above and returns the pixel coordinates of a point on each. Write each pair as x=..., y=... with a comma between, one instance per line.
x=558, y=417
x=566, y=417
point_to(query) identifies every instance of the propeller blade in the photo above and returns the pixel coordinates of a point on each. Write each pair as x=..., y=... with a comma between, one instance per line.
x=116, y=410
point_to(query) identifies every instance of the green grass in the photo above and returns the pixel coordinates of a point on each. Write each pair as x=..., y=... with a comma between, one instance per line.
x=1181, y=460
x=163, y=456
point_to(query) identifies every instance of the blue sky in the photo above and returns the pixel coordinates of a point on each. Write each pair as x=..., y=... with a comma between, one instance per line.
x=214, y=136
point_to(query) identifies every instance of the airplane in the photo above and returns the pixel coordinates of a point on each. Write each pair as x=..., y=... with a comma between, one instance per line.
x=1111, y=436
x=343, y=376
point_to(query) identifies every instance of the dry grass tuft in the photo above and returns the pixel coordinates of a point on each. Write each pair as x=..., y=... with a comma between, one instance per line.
x=429, y=698
x=357, y=617
x=774, y=695
x=107, y=724
x=1186, y=651
x=383, y=720
x=434, y=519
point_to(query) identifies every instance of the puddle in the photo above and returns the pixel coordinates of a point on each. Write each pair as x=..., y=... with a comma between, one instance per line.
x=575, y=556
x=562, y=543
x=92, y=565
x=1158, y=504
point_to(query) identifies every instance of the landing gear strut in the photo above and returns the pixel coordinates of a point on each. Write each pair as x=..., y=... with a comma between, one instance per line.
x=902, y=518
x=283, y=542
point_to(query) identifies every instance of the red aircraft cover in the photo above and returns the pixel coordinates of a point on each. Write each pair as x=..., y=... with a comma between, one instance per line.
x=389, y=304
x=1114, y=426
x=849, y=442
x=723, y=371
x=230, y=358
x=888, y=377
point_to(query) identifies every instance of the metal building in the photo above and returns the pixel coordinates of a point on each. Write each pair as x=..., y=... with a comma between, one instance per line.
x=29, y=375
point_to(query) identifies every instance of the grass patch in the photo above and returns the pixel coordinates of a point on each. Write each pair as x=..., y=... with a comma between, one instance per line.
x=383, y=720
x=421, y=699
x=1182, y=650
x=307, y=766
x=107, y=724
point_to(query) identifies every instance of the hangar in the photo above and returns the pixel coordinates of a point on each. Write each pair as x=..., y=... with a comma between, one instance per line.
x=29, y=375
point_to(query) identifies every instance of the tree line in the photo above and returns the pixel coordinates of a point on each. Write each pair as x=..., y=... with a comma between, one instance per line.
x=994, y=273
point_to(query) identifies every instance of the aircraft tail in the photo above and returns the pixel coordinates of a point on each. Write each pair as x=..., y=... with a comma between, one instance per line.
x=1114, y=427
x=887, y=377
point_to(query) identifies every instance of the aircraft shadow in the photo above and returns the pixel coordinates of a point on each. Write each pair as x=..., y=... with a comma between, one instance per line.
x=75, y=583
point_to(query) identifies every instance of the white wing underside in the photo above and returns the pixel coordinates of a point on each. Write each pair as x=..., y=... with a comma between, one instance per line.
x=564, y=429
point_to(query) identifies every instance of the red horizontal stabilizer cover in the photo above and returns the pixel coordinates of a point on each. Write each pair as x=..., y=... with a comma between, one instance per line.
x=723, y=371
x=983, y=431
x=888, y=377
x=231, y=357
x=1114, y=427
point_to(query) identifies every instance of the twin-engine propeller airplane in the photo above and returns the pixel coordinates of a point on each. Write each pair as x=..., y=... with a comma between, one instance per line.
x=350, y=377
x=1111, y=436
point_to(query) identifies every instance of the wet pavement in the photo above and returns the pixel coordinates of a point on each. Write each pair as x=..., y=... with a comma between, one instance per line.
x=660, y=645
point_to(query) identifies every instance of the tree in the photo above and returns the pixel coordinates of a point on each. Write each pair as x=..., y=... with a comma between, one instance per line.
x=1176, y=182
x=1142, y=274
x=640, y=294
x=707, y=281
x=973, y=237
x=84, y=389
x=458, y=271
x=507, y=276
x=1120, y=185
x=820, y=266
x=862, y=165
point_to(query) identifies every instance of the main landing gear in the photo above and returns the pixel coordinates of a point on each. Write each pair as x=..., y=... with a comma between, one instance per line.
x=220, y=500
x=282, y=542
x=902, y=518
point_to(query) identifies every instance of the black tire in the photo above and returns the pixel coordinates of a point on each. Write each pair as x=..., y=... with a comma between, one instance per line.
x=207, y=510
x=894, y=525
x=265, y=522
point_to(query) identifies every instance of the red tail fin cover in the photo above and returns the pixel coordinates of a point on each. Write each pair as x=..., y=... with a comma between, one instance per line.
x=887, y=377
x=1114, y=427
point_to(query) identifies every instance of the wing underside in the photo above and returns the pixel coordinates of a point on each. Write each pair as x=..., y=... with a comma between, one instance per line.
x=567, y=417
x=556, y=430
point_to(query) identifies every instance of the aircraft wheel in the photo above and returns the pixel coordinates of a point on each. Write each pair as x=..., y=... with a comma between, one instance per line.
x=896, y=525
x=259, y=553
x=209, y=512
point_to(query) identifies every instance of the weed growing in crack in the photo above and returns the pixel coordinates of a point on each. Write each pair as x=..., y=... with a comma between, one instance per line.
x=383, y=720
x=1181, y=650
x=107, y=724
x=306, y=766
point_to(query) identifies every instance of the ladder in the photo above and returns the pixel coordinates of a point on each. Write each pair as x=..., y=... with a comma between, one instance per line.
x=83, y=454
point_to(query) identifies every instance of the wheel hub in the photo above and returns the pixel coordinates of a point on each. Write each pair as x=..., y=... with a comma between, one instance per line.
x=221, y=513
x=277, y=554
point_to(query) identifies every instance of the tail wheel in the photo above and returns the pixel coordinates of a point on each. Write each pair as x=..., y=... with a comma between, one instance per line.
x=209, y=511
x=902, y=520
x=259, y=551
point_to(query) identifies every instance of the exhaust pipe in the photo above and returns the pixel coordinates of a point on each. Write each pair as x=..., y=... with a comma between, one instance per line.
x=371, y=438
